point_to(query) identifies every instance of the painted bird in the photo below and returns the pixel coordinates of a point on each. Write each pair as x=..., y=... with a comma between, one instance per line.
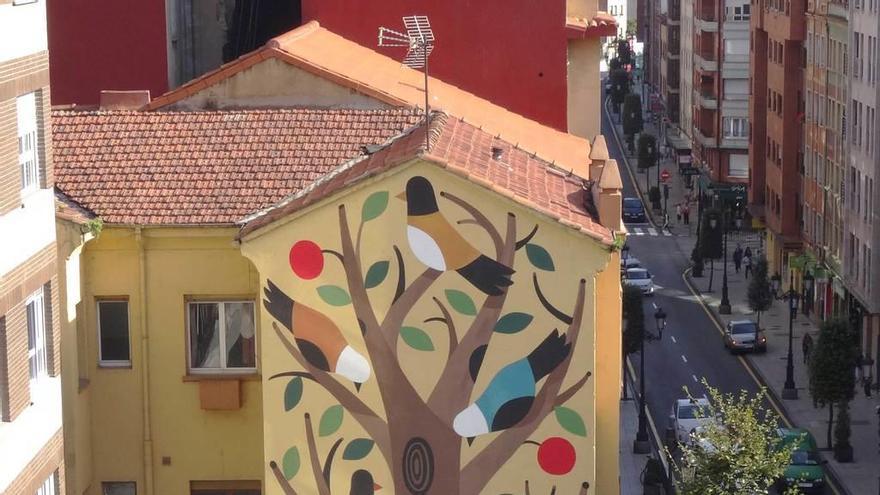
x=362, y=483
x=511, y=392
x=436, y=243
x=318, y=338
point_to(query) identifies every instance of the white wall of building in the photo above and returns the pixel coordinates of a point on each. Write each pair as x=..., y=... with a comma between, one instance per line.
x=22, y=29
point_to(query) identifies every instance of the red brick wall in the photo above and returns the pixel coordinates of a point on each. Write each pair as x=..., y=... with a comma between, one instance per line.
x=49, y=459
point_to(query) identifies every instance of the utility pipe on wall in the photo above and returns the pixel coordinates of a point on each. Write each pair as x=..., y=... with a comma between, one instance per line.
x=145, y=363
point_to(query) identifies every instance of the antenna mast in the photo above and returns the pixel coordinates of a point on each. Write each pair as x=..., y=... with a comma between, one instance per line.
x=419, y=40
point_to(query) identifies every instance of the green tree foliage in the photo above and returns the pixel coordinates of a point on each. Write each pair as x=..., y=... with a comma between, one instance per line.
x=759, y=293
x=647, y=151
x=712, y=244
x=740, y=454
x=832, y=366
x=632, y=114
x=620, y=83
x=697, y=258
x=634, y=314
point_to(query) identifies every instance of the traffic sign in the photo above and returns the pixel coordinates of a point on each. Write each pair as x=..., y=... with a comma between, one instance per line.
x=664, y=175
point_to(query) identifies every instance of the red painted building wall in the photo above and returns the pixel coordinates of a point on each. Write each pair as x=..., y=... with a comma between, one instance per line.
x=105, y=44
x=511, y=52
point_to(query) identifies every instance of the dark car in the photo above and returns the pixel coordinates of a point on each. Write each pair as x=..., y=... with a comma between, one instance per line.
x=744, y=335
x=633, y=211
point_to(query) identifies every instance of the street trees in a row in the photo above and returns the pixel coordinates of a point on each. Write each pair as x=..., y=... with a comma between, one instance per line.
x=759, y=293
x=634, y=323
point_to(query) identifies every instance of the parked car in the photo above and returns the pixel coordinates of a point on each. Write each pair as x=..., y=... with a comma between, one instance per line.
x=641, y=278
x=629, y=262
x=633, y=210
x=805, y=467
x=744, y=335
x=688, y=415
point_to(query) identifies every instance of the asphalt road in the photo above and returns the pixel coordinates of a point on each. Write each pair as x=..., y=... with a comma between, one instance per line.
x=691, y=348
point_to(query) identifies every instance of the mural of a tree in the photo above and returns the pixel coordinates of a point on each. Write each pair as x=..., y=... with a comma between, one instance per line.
x=421, y=436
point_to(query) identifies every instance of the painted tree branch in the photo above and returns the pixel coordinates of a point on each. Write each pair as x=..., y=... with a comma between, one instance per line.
x=453, y=389
x=585, y=488
x=404, y=304
x=568, y=393
x=368, y=419
x=328, y=463
x=334, y=253
x=282, y=481
x=525, y=240
x=547, y=305
x=479, y=218
x=401, y=275
x=450, y=325
x=477, y=473
x=317, y=471
x=301, y=374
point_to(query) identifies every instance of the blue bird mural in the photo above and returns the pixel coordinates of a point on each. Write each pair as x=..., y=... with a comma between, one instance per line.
x=511, y=392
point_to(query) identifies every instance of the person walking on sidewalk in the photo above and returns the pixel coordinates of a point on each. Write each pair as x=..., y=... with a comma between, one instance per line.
x=737, y=257
x=678, y=212
x=807, y=347
x=747, y=263
x=686, y=213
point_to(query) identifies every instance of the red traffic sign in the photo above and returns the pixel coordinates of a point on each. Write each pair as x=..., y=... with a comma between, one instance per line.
x=664, y=175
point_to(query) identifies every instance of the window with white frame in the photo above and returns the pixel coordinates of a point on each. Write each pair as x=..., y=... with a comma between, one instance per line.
x=221, y=336
x=114, y=346
x=49, y=486
x=26, y=115
x=738, y=12
x=738, y=166
x=36, y=327
x=735, y=127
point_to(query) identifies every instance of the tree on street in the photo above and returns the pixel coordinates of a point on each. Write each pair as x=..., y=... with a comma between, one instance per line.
x=711, y=240
x=759, y=293
x=619, y=84
x=634, y=327
x=832, y=367
x=632, y=114
x=647, y=151
x=738, y=454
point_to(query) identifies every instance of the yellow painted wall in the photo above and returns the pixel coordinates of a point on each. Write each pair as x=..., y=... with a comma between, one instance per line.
x=583, y=87
x=202, y=445
x=575, y=257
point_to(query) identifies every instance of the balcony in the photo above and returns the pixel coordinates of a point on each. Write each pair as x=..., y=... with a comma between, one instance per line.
x=704, y=140
x=705, y=100
x=705, y=26
x=708, y=64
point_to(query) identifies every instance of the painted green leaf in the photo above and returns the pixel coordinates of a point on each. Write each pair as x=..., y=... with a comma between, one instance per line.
x=571, y=421
x=357, y=449
x=293, y=393
x=331, y=420
x=416, y=338
x=513, y=322
x=334, y=295
x=374, y=205
x=290, y=463
x=461, y=302
x=539, y=257
x=376, y=274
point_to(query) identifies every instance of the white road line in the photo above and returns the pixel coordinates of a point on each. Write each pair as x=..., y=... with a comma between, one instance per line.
x=695, y=378
x=684, y=359
x=673, y=339
x=651, y=231
x=654, y=304
x=636, y=231
x=667, y=233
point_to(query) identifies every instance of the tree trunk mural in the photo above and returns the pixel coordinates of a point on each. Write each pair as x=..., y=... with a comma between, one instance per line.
x=420, y=437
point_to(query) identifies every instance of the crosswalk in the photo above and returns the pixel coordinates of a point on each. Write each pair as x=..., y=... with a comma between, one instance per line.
x=651, y=231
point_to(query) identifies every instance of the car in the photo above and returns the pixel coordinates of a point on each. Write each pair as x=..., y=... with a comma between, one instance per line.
x=633, y=210
x=805, y=467
x=629, y=262
x=744, y=335
x=641, y=278
x=688, y=415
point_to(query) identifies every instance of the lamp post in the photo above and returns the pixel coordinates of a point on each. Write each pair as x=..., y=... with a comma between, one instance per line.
x=724, y=306
x=642, y=445
x=789, y=392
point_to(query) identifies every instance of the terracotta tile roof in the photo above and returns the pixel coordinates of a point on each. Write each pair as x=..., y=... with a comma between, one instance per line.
x=601, y=24
x=330, y=56
x=466, y=150
x=70, y=210
x=185, y=168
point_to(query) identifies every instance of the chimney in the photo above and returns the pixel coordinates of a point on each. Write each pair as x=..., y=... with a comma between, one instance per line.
x=608, y=198
x=598, y=157
x=124, y=100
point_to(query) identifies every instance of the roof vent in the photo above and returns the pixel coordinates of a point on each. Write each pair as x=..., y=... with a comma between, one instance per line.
x=124, y=100
x=497, y=152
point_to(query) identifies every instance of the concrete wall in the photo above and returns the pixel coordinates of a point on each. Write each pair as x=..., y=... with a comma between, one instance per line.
x=583, y=88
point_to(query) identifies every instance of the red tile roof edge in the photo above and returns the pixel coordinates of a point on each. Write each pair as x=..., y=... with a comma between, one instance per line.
x=602, y=24
x=66, y=208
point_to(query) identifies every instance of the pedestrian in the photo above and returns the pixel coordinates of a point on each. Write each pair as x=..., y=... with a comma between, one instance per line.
x=686, y=213
x=807, y=347
x=866, y=386
x=748, y=251
x=678, y=212
x=737, y=257
x=747, y=263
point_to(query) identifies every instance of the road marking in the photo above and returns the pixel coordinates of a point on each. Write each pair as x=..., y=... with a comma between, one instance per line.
x=654, y=304
x=673, y=339
x=651, y=231
x=742, y=360
x=684, y=359
x=636, y=231
x=667, y=233
x=695, y=378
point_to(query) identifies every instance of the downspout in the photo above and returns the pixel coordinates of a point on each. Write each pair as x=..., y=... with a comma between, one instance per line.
x=145, y=363
x=719, y=81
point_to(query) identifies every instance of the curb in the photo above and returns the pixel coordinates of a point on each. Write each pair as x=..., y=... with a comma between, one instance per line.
x=778, y=403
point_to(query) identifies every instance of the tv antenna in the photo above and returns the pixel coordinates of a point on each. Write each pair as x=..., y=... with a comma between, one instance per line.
x=419, y=41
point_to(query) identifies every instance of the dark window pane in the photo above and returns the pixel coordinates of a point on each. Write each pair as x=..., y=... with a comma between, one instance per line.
x=113, y=323
x=204, y=335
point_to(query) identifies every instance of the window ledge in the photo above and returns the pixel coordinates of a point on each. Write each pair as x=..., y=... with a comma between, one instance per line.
x=114, y=366
x=198, y=377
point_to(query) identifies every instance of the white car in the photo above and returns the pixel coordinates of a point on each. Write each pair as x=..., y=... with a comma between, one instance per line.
x=641, y=278
x=689, y=415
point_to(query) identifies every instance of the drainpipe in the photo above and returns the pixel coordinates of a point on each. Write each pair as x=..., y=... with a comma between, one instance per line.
x=719, y=82
x=145, y=363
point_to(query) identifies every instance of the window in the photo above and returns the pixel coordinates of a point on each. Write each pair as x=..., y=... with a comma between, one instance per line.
x=231, y=487
x=49, y=487
x=118, y=488
x=738, y=13
x=36, y=327
x=738, y=166
x=26, y=114
x=113, y=334
x=221, y=336
x=735, y=127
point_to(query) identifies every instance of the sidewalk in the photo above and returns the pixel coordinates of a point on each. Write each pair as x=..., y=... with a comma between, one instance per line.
x=631, y=465
x=859, y=477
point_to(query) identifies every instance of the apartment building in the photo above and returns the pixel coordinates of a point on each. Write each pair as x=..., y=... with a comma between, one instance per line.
x=686, y=71
x=31, y=439
x=720, y=94
x=862, y=169
x=824, y=159
x=669, y=14
x=777, y=45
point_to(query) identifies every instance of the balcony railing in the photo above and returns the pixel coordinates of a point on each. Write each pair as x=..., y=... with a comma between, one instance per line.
x=706, y=99
x=705, y=62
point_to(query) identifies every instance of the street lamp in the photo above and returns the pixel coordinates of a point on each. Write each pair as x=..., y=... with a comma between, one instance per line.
x=660, y=320
x=789, y=392
x=724, y=306
x=642, y=445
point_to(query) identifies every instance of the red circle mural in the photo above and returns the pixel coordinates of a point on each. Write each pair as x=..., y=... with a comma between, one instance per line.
x=306, y=259
x=556, y=456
